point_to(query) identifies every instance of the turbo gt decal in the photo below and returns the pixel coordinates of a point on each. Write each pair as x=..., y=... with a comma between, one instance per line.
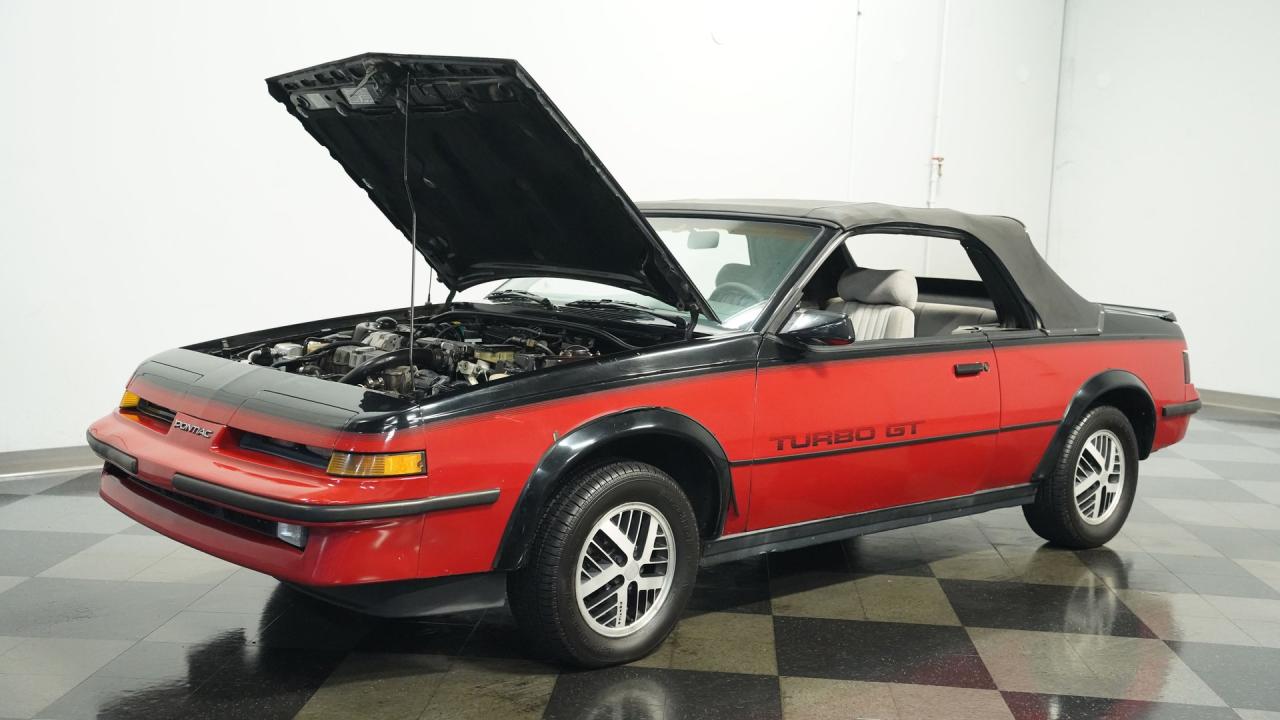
x=844, y=436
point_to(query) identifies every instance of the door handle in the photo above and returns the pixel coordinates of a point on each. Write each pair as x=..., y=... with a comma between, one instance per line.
x=973, y=368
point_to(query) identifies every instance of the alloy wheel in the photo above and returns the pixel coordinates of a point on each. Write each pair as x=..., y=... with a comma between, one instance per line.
x=1099, y=477
x=624, y=569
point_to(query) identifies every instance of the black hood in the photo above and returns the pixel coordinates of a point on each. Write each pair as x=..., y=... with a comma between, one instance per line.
x=501, y=184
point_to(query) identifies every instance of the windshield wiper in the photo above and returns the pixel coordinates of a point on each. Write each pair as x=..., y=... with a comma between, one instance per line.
x=623, y=307
x=519, y=296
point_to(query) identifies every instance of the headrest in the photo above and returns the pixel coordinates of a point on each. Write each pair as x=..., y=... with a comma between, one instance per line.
x=878, y=287
x=737, y=273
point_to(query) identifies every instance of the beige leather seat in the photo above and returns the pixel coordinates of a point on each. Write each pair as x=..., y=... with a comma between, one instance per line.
x=879, y=303
x=942, y=319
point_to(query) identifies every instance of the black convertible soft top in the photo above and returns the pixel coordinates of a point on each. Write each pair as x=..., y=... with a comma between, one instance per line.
x=1061, y=310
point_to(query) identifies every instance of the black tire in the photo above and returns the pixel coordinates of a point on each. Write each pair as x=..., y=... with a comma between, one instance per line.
x=543, y=593
x=1054, y=515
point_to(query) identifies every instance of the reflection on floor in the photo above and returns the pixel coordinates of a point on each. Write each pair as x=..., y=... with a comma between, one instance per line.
x=1179, y=617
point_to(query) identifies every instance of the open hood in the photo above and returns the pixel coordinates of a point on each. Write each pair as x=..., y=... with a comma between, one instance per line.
x=501, y=184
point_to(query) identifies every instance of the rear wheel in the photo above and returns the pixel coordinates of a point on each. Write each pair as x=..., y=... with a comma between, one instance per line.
x=1084, y=503
x=611, y=567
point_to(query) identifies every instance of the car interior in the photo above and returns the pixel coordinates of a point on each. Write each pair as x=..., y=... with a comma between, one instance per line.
x=882, y=304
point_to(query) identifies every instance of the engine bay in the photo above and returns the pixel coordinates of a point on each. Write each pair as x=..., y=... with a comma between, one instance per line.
x=439, y=355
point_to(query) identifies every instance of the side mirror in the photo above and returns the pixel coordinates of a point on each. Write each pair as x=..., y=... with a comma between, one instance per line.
x=704, y=239
x=818, y=327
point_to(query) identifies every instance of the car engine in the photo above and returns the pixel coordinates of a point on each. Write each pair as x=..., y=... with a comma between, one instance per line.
x=437, y=357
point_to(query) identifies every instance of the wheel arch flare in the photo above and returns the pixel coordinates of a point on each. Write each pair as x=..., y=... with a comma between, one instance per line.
x=1118, y=388
x=665, y=438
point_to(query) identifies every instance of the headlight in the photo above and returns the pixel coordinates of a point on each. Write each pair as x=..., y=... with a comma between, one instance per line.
x=377, y=464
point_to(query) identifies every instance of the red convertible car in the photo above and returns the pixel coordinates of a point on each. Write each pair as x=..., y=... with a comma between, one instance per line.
x=644, y=389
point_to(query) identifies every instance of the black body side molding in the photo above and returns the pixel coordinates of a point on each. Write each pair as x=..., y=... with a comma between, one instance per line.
x=1179, y=409
x=115, y=456
x=788, y=537
x=1094, y=388
x=580, y=442
x=283, y=510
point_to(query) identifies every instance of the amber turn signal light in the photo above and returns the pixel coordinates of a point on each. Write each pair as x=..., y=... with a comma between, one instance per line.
x=377, y=464
x=129, y=400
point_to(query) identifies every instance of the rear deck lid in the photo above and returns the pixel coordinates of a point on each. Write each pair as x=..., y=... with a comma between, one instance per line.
x=501, y=185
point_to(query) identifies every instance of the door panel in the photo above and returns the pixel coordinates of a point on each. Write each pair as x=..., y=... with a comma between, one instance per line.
x=841, y=431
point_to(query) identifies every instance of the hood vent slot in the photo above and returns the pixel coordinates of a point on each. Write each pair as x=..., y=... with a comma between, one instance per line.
x=297, y=452
x=156, y=412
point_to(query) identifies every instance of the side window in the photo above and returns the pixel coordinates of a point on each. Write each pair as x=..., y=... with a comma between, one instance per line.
x=913, y=287
x=924, y=257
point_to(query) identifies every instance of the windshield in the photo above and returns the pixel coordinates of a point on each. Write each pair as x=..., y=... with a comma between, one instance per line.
x=737, y=265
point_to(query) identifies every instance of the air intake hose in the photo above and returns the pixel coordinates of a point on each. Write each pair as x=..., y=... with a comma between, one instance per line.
x=395, y=358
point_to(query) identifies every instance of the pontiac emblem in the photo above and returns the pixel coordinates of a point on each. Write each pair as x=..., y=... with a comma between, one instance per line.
x=193, y=429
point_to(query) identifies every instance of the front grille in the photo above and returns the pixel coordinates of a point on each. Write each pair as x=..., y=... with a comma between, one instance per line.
x=249, y=522
x=157, y=412
x=297, y=452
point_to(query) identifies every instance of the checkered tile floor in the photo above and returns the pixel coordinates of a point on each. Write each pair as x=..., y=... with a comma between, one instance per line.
x=1179, y=617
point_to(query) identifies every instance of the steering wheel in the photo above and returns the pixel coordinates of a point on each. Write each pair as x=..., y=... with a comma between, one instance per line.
x=731, y=292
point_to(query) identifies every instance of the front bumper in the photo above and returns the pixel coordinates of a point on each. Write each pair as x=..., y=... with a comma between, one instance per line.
x=335, y=554
x=206, y=494
x=358, y=567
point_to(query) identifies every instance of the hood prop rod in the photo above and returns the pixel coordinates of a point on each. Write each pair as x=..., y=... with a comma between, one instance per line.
x=413, y=232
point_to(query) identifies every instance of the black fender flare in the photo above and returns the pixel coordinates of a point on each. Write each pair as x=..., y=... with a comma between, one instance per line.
x=578, y=443
x=1092, y=389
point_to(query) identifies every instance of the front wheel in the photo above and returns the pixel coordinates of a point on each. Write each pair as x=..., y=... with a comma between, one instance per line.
x=1085, y=501
x=611, y=567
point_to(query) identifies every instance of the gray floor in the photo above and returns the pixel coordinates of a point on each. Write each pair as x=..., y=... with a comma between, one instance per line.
x=1179, y=617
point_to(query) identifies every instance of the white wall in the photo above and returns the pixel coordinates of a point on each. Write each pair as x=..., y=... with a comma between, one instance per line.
x=153, y=195
x=974, y=82
x=999, y=100
x=1165, y=173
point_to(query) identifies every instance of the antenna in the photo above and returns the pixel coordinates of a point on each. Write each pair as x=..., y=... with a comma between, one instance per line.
x=413, y=232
